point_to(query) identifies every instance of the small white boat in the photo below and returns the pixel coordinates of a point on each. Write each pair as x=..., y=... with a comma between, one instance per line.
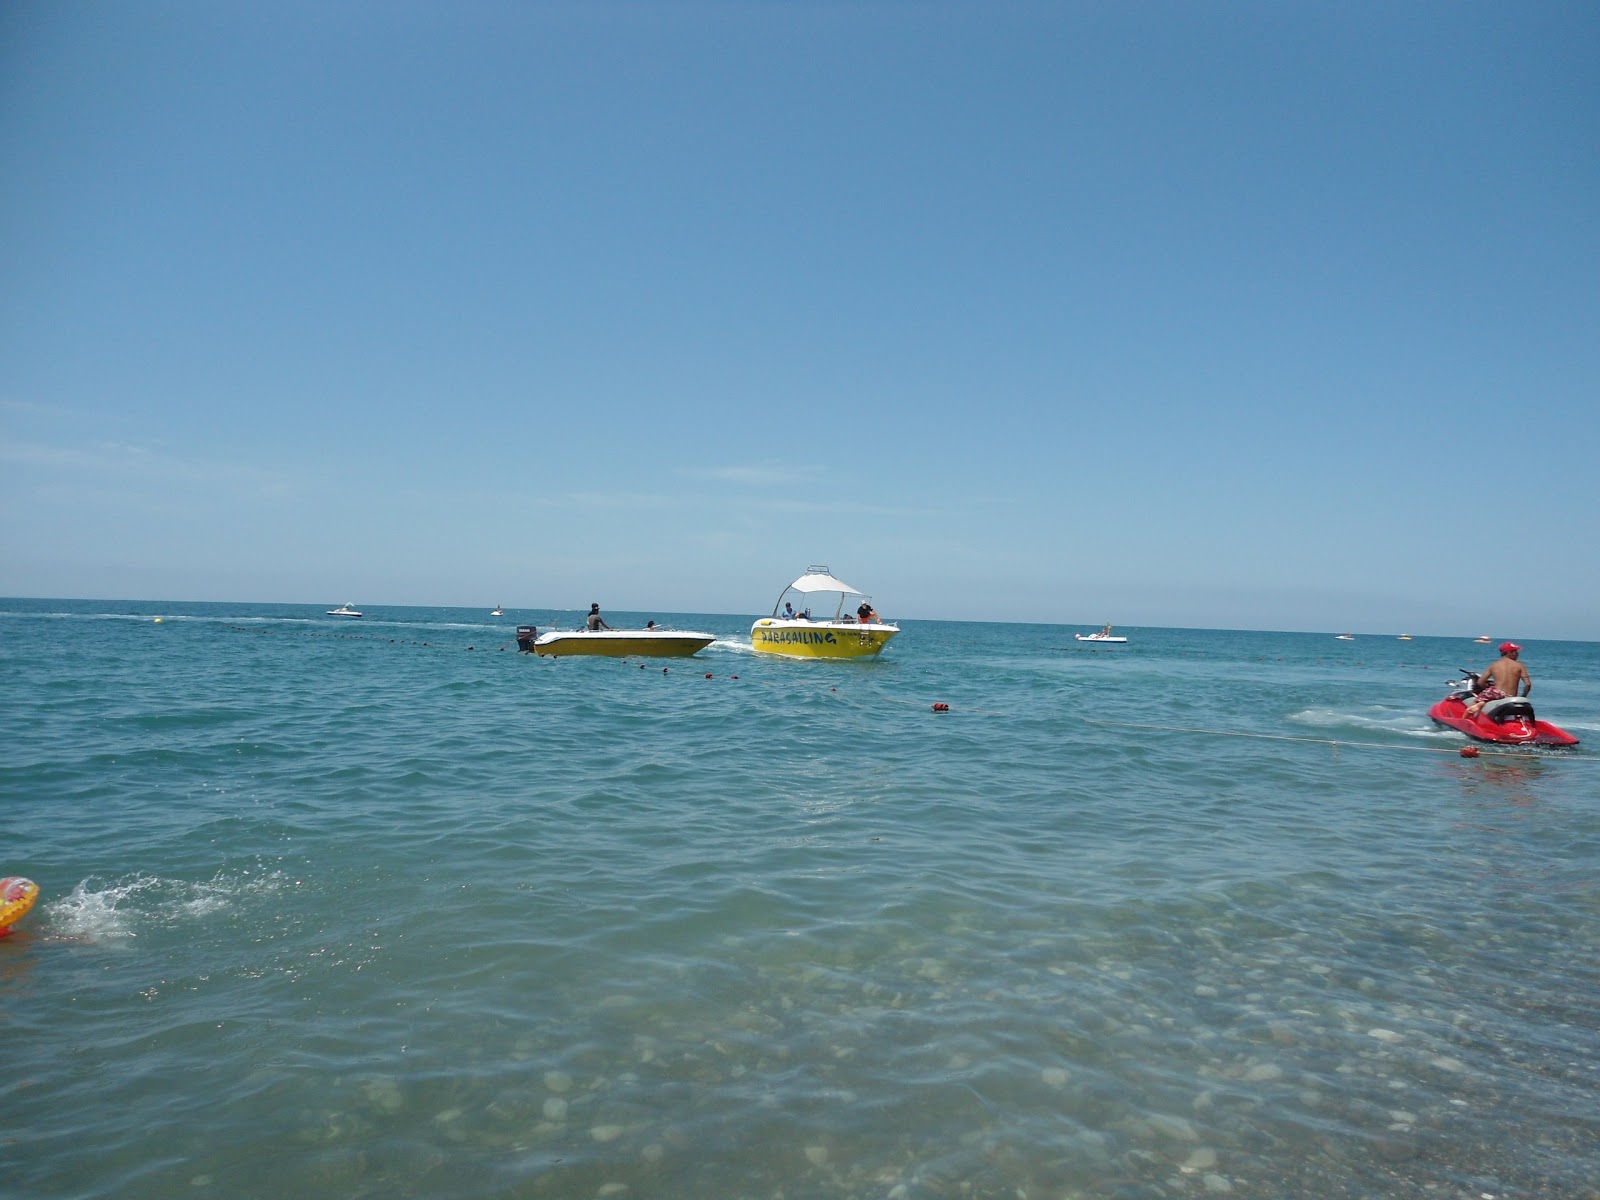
x=344, y=610
x=613, y=643
x=498, y=611
x=841, y=635
x=1105, y=635
x=1345, y=637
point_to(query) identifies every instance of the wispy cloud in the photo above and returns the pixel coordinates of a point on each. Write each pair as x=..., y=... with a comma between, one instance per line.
x=761, y=475
x=132, y=463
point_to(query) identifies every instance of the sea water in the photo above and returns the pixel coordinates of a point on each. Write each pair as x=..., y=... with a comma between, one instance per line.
x=383, y=908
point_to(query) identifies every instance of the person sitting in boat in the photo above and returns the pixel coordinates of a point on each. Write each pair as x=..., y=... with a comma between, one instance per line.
x=1503, y=678
x=865, y=613
x=596, y=621
x=788, y=612
x=649, y=624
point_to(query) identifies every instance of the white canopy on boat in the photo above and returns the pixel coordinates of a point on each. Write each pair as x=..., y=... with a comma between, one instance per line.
x=817, y=579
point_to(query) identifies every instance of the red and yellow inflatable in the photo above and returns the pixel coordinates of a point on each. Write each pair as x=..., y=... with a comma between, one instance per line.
x=16, y=898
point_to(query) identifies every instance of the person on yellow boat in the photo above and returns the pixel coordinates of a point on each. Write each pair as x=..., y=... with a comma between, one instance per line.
x=596, y=621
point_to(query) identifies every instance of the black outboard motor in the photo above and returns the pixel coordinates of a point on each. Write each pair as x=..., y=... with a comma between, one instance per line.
x=526, y=635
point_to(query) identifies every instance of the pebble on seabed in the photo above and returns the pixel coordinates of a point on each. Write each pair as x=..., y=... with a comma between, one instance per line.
x=1202, y=1159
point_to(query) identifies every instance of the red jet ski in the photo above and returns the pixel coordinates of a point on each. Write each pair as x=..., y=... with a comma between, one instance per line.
x=1508, y=721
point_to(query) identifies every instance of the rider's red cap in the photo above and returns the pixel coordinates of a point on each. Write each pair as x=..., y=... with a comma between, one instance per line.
x=1509, y=647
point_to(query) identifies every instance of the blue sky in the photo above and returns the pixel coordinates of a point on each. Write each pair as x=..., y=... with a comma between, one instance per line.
x=1236, y=315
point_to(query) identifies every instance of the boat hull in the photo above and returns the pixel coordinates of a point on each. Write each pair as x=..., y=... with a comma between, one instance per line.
x=1516, y=731
x=1095, y=637
x=622, y=643
x=819, y=639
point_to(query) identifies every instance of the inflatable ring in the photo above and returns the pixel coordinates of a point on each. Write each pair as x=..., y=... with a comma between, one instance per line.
x=16, y=898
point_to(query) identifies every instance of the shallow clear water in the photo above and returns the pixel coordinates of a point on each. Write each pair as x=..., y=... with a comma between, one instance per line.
x=383, y=908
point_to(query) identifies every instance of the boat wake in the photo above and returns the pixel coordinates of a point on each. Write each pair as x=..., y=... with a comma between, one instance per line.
x=1374, y=718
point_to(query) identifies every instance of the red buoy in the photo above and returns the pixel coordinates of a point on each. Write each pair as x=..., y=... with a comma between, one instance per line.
x=1469, y=752
x=941, y=708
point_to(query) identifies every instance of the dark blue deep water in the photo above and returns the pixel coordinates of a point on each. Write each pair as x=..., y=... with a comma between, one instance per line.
x=385, y=909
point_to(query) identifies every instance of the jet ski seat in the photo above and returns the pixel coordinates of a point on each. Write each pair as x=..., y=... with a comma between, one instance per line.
x=1509, y=708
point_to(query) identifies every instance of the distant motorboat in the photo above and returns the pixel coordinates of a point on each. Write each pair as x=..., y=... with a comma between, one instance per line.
x=1105, y=635
x=498, y=611
x=1405, y=637
x=344, y=610
x=1484, y=640
x=1345, y=637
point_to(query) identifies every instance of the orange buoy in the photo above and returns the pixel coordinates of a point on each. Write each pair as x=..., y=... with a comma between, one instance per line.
x=1469, y=752
x=941, y=708
x=16, y=898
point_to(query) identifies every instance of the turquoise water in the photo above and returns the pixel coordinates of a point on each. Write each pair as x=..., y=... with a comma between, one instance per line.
x=383, y=908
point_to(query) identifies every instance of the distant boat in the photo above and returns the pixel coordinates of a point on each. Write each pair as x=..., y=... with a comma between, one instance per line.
x=1405, y=637
x=1484, y=640
x=498, y=611
x=344, y=610
x=1105, y=635
x=1346, y=637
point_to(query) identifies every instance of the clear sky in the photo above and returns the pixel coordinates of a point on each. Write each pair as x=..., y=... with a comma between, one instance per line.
x=1251, y=315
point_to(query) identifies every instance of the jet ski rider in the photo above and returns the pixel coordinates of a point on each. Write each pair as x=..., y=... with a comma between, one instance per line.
x=1502, y=679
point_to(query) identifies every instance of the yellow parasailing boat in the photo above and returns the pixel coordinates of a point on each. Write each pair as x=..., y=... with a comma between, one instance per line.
x=860, y=634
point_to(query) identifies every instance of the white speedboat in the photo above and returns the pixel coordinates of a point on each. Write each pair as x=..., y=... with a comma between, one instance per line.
x=1345, y=637
x=653, y=642
x=498, y=611
x=344, y=610
x=1105, y=635
x=860, y=634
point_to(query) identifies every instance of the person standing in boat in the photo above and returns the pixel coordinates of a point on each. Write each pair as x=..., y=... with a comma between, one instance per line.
x=1503, y=678
x=596, y=621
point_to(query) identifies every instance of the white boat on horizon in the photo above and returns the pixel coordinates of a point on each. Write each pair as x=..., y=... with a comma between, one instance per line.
x=1105, y=635
x=345, y=610
x=843, y=635
x=497, y=611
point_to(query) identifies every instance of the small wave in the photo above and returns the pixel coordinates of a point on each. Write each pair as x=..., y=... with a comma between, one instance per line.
x=736, y=647
x=99, y=910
